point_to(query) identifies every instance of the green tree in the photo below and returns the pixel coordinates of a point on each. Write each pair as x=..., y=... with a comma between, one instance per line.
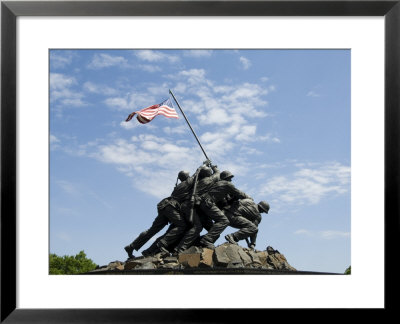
x=348, y=270
x=71, y=264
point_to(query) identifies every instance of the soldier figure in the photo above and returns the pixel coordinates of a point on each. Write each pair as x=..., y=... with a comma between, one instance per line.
x=209, y=200
x=245, y=215
x=216, y=206
x=168, y=212
x=207, y=177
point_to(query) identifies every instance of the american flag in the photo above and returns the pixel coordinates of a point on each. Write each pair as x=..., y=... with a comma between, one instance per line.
x=147, y=114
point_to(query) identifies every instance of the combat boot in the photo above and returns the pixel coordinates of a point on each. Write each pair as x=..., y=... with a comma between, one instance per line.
x=129, y=250
x=207, y=245
x=162, y=250
x=231, y=239
x=176, y=252
x=146, y=253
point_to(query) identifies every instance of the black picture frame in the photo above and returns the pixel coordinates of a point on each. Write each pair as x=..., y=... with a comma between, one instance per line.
x=10, y=10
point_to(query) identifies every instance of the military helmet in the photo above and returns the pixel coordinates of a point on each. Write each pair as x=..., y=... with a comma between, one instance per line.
x=205, y=172
x=183, y=175
x=264, y=206
x=226, y=175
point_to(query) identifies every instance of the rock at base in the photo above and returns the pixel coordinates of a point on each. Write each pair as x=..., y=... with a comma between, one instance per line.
x=206, y=258
x=232, y=252
x=139, y=263
x=220, y=257
x=255, y=260
x=190, y=260
x=224, y=256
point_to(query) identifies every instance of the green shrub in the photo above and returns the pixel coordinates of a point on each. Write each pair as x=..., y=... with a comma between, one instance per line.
x=348, y=270
x=70, y=264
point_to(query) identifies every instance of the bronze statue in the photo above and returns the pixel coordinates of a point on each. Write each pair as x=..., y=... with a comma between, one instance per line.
x=208, y=204
x=245, y=215
x=209, y=200
x=168, y=212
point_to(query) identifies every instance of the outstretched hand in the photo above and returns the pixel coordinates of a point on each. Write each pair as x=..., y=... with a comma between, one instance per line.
x=207, y=162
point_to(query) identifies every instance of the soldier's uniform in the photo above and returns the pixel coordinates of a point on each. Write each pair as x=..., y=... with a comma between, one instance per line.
x=154, y=248
x=182, y=191
x=168, y=213
x=200, y=220
x=180, y=194
x=205, y=184
x=191, y=236
x=208, y=204
x=245, y=216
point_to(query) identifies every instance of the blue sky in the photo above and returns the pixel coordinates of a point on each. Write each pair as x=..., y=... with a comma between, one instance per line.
x=279, y=120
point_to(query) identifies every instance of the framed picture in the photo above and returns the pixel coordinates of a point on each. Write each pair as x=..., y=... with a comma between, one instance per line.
x=101, y=35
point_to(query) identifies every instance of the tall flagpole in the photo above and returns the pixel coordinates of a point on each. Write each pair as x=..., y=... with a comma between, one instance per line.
x=188, y=124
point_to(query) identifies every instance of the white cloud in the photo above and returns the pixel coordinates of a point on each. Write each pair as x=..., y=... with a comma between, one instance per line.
x=128, y=125
x=247, y=133
x=132, y=101
x=60, y=81
x=61, y=91
x=247, y=91
x=250, y=151
x=223, y=89
x=118, y=103
x=194, y=76
x=75, y=102
x=215, y=116
x=226, y=110
x=245, y=62
x=198, y=53
x=303, y=231
x=225, y=139
x=182, y=129
x=334, y=234
x=159, y=90
x=64, y=94
x=60, y=59
x=327, y=234
x=150, y=68
x=99, y=89
x=180, y=87
x=54, y=142
x=237, y=105
x=142, y=100
x=269, y=138
x=103, y=60
x=68, y=187
x=308, y=185
x=152, y=162
x=313, y=94
x=155, y=56
x=149, y=55
x=53, y=139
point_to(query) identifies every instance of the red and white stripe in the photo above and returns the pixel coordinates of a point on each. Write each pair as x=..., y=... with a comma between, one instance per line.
x=147, y=114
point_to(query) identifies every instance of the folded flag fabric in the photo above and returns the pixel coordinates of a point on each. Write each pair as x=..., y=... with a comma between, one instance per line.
x=147, y=114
